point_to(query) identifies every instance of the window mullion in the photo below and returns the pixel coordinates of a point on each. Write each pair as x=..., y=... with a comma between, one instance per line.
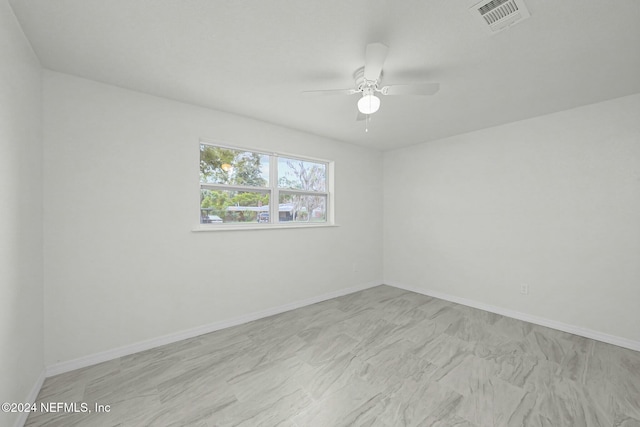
x=274, y=199
x=303, y=192
x=229, y=187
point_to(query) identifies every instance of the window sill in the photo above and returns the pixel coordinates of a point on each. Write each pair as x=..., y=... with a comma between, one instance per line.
x=258, y=227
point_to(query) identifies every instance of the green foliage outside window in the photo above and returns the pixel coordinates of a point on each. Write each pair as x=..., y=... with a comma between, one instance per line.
x=231, y=167
x=301, y=184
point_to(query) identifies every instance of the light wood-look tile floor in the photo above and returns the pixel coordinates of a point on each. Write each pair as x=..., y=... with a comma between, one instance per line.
x=379, y=357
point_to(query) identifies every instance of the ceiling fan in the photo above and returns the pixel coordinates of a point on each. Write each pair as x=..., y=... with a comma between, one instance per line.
x=368, y=83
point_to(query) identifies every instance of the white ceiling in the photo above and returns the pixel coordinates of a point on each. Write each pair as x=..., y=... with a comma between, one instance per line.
x=254, y=57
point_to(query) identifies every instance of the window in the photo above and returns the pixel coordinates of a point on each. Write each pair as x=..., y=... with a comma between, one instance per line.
x=243, y=187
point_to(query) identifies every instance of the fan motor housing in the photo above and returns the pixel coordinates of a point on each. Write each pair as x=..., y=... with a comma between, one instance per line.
x=358, y=77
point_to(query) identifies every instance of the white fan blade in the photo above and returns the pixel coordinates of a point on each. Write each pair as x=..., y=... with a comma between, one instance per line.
x=360, y=117
x=416, y=89
x=374, y=58
x=330, y=92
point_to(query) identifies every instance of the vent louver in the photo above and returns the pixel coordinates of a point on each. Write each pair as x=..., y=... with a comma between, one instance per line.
x=498, y=15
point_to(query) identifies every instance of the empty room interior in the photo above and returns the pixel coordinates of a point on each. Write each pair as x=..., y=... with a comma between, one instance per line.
x=280, y=213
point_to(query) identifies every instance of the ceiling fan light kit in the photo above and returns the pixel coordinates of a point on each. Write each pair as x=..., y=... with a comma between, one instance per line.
x=369, y=104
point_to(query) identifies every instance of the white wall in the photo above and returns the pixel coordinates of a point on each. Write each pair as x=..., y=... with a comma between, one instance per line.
x=553, y=202
x=21, y=323
x=122, y=264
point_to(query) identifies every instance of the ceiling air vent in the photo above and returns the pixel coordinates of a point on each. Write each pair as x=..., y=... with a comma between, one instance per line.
x=498, y=15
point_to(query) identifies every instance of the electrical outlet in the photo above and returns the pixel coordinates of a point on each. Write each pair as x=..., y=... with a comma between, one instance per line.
x=524, y=289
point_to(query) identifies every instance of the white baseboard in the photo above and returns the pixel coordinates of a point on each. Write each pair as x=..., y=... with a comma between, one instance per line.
x=576, y=330
x=93, y=359
x=31, y=398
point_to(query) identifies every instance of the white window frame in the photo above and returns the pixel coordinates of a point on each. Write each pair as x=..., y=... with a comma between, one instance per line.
x=273, y=190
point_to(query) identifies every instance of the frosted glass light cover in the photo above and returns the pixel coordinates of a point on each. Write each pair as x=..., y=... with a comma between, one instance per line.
x=369, y=104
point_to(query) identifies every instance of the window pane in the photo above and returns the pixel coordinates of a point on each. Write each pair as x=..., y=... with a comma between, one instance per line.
x=301, y=174
x=302, y=208
x=223, y=206
x=234, y=167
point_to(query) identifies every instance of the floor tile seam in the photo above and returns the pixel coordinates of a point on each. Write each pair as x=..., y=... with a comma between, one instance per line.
x=265, y=367
x=265, y=407
x=305, y=386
